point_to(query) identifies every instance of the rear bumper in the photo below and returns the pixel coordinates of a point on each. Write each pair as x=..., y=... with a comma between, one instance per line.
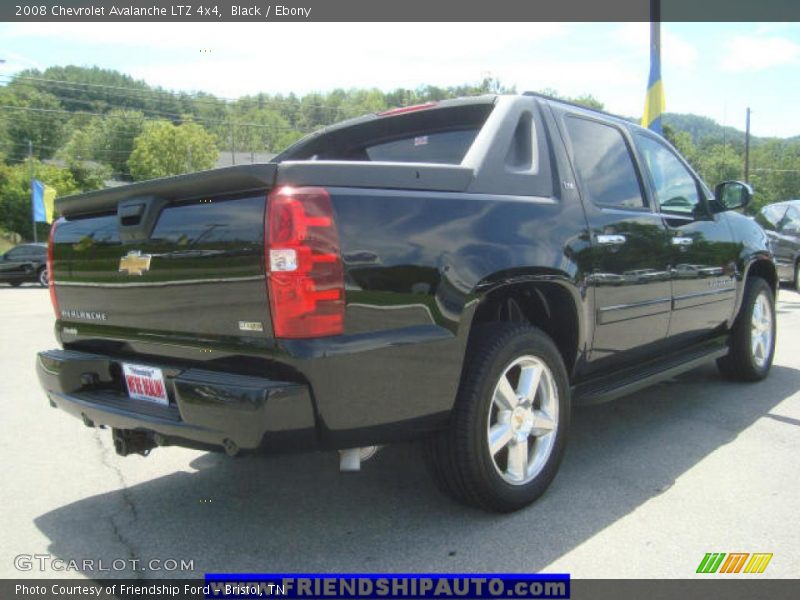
x=206, y=408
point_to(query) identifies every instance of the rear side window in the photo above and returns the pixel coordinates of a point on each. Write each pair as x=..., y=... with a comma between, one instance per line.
x=446, y=147
x=19, y=253
x=604, y=164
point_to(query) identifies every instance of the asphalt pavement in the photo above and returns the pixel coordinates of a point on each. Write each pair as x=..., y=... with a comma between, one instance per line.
x=650, y=483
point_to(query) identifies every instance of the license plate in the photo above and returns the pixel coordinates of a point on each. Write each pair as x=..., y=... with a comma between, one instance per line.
x=145, y=383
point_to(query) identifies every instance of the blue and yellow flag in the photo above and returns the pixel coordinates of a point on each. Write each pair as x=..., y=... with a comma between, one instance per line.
x=43, y=199
x=654, y=103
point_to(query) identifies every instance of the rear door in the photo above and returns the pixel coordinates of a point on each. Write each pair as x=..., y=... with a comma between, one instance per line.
x=702, y=249
x=791, y=233
x=628, y=267
x=786, y=242
x=772, y=219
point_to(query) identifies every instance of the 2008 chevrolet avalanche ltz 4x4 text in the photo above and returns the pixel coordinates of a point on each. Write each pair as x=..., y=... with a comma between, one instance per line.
x=460, y=272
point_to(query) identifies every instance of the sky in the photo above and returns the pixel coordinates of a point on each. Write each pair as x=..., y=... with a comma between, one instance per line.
x=710, y=69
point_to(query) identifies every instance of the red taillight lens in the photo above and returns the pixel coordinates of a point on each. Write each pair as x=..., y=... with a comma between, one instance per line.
x=51, y=274
x=305, y=276
x=406, y=109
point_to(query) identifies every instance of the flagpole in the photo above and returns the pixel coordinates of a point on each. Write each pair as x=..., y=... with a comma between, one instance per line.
x=33, y=210
x=654, y=98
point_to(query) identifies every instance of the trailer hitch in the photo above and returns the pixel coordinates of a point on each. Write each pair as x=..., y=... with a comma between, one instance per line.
x=127, y=441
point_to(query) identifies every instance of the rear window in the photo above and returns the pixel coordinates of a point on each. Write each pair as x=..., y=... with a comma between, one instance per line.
x=447, y=147
x=441, y=135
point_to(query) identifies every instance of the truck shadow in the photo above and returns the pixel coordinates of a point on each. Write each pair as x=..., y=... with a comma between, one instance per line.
x=297, y=513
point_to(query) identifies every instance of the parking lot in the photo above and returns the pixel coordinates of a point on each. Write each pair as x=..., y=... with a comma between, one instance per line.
x=650, y=484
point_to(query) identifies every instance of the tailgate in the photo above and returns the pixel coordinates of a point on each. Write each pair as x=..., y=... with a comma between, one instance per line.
x=175, y=255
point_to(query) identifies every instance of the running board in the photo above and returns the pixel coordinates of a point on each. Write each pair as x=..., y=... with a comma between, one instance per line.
x=616, y=385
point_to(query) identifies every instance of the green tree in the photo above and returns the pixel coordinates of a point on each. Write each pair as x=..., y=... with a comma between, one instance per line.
x=682, y=142
x=166, y=149
x=107, y=139
x=32, y=116
x=719, y=163
x=586, y=100
x=15, y=193
x=775, y=171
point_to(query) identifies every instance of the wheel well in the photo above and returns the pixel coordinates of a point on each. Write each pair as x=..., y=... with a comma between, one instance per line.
x=548, y=306
x=765, y=270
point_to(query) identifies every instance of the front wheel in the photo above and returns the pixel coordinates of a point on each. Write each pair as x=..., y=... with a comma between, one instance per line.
x=509, y=426
x=752, y=345
x=43, y=278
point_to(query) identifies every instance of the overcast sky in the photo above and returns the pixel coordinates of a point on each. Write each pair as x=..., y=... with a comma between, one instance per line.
x=711, y=69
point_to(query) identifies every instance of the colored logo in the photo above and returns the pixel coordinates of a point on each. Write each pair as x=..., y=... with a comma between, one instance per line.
x=135, y=263
x=734, y=562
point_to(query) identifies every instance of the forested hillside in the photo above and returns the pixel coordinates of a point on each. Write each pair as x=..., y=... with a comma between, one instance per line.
x=79, y=128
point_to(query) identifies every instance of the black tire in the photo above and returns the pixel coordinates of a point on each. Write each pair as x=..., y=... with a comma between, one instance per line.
x=459, y=457
x=41, y=277
x=742, y=363
x=796, y=283
x=15, y=283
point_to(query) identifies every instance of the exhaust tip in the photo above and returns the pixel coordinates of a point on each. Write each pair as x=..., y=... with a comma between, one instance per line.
x=350, y=459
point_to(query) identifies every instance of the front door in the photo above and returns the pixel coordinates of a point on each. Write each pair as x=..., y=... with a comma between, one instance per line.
x=702, y=247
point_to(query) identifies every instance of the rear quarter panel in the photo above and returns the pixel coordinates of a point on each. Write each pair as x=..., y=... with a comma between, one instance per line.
x=417, y=265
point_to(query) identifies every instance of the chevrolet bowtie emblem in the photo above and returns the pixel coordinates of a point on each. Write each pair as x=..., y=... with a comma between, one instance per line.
x=135, y=263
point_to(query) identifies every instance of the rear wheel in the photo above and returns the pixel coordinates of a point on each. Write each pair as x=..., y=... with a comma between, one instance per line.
x=509, y=426
x=15, y=283
x=42, y=277
x=752, y=345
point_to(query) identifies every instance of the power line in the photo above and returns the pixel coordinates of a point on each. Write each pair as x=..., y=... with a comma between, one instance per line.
x=131, y=117
x=196, y=97
x=134, y=107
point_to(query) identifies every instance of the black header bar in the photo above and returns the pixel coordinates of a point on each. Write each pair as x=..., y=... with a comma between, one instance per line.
x=191, y=11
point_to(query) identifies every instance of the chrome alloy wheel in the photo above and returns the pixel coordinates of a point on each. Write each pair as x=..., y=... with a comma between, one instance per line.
x=523, y=418
x=761, y=330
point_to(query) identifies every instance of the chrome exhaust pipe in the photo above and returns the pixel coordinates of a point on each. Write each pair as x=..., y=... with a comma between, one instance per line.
x=350, y=460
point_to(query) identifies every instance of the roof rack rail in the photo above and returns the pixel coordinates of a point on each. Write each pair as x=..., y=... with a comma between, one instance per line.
x=575, y=104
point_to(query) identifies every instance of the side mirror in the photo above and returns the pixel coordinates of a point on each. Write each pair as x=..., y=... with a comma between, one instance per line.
x=731, y=195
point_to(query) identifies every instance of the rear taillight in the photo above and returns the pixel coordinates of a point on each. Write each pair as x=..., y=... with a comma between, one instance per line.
x=406, y=109
x=51, y=274
x=305, y=277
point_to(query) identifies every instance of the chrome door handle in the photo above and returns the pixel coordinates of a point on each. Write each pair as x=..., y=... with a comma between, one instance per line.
x=682, y=241
x=611, y=239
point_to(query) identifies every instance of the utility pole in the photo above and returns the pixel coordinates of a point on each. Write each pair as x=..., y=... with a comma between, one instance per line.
x=233, y=146
x=747, y=147
x=33, y=211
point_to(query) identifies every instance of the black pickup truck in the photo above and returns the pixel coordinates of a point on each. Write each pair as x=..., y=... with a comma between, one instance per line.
x=460, y=272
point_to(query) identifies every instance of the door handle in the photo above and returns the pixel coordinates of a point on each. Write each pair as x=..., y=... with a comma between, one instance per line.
x=682, y=241
x=611, y=239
